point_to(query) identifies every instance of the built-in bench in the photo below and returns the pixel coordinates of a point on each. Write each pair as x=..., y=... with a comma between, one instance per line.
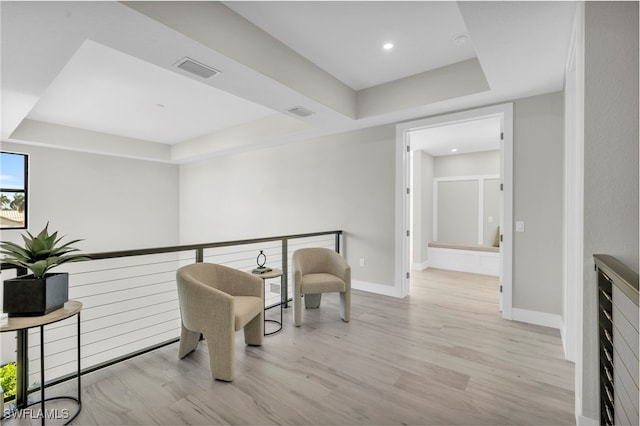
x=473, y=258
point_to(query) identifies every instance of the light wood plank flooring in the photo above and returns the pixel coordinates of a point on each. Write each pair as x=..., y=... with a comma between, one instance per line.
x=441, y=356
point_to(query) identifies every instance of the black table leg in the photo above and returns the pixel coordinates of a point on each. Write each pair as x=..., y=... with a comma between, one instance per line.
x=22, y=368
x=42, y=374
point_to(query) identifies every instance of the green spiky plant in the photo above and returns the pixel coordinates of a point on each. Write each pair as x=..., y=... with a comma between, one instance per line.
x=40, y=253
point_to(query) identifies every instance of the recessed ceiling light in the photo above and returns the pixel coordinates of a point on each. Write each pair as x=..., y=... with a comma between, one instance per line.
x=454, y=149
x=387, y=46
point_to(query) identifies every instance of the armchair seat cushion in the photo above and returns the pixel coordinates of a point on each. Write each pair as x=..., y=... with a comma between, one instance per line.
x=246, y=308
x=322, y=283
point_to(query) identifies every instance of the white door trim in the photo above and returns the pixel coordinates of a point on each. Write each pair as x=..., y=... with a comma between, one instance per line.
x=402, y=260
x=573, y=221
x=403, y=220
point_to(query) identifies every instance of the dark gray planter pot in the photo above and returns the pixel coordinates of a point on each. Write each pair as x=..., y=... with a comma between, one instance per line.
x=26, y=296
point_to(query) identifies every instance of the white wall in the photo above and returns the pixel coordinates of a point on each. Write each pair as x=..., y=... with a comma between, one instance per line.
x=338, y=182
x=538, y=199
x=476, y=163
x=472, y=164
x=458, y=211
x=610, y=161
x=112, y=203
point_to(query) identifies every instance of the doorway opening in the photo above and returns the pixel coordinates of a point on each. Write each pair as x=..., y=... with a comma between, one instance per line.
x=408, y=143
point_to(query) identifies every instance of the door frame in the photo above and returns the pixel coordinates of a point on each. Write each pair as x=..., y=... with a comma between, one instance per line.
x=403, y=189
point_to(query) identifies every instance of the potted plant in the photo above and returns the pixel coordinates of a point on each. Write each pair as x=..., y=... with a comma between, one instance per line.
x=40, y=292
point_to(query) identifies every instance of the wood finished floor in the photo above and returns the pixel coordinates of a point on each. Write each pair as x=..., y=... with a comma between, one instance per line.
x=441, y=356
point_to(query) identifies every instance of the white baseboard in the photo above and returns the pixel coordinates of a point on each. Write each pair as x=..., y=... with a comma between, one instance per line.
x=563, y=338
x=420, y=266
x=569, y=352
x=538, y=318
x=384, y=290
x=586, y=421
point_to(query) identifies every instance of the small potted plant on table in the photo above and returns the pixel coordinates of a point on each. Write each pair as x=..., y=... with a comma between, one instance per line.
x=40, y=292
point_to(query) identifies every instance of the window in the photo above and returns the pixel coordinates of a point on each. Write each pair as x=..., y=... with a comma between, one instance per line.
x=13, y=190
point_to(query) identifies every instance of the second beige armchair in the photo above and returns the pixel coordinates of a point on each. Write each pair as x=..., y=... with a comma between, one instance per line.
x=320, y=270
x=217, y=301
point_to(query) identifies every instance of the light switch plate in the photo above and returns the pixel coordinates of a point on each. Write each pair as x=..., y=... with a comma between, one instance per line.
x=519, y=226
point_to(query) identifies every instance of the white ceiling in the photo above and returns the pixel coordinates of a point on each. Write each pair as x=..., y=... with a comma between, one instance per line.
x=345, y=38
x=101, y=86
x=465, y=137
x=91, y=75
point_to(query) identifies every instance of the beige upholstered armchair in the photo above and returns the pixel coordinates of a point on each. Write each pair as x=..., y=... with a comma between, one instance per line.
x=217, y=301
x=317, y=271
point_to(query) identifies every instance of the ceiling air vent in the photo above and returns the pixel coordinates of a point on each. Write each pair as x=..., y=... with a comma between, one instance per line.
x=195, y=67
x=300, y=111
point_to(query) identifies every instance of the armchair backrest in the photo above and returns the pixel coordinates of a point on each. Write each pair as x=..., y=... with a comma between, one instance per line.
x=209, y=274
x=201, y=295
x=318, y=259
x=222, y=278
